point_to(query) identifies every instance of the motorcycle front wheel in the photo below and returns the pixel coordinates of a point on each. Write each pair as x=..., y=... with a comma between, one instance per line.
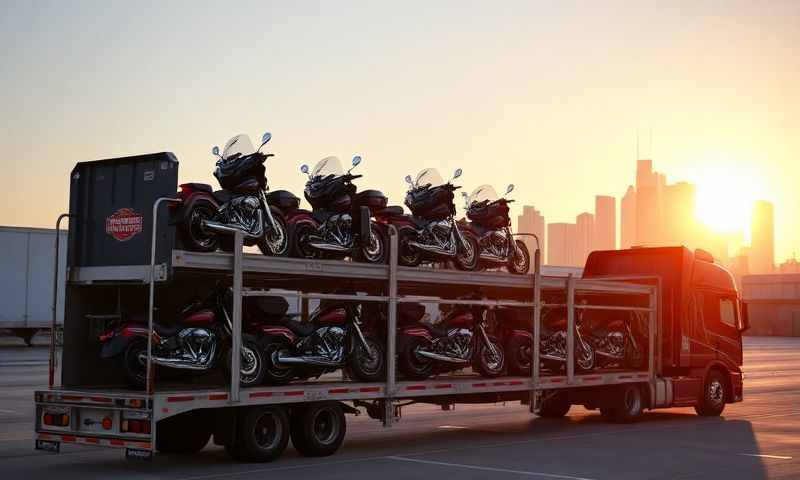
x=584, y=358
x=251, y=364
x=374, y=250
x=520, y=261
x=490, y=364
x=368, y=366
x=275, y=240
x=467, y=253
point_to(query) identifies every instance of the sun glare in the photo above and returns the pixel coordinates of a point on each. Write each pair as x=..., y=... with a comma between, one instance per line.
x=725, y=199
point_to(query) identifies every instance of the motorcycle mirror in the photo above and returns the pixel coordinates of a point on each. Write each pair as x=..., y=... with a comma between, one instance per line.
x=408, y=179
x=509, y=188
x=457, y=173
x=304, y=168
x=215, y=151
x=356, y=160
x=266, y=138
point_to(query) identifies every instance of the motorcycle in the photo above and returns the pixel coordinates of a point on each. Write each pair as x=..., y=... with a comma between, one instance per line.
x=424, y=349
x=614, y=339
x=431, y=233
x=340, y=224
x=491, y=225
x=199, y=341
x=209, y=218
x=333, y=338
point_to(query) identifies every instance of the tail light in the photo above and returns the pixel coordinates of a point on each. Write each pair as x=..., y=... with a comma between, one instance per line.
x=55, y=419
x=136, y=426
x=107, y=423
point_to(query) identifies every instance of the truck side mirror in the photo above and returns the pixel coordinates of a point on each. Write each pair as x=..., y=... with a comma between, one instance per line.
x=745, y=313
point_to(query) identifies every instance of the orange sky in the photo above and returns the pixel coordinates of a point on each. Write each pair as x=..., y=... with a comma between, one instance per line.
x=546, y=96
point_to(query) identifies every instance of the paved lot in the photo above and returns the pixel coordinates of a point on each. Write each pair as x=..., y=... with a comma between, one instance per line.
x=759, y=438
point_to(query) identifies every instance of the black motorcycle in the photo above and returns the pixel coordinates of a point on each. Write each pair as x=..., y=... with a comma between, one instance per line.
x=341, y=223
x=334, y=337
x=198, y=341
x=431, y=233
x=244, y=204
x=460, y=341
x=491, y=225
x=615, y=337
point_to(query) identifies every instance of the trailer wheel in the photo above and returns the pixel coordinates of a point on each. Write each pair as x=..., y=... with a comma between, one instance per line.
x=556, y=406
x=712, y=401
x=261, y=436
x=318, y=429
x=628, y=404
x=184, y=434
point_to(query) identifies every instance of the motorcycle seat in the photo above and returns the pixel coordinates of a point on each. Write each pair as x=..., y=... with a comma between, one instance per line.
x=222, y=196
x=437, y=330
x=302, y=329
x=392, y=211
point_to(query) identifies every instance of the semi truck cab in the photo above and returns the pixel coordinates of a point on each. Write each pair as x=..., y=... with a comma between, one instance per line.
x=700, y=322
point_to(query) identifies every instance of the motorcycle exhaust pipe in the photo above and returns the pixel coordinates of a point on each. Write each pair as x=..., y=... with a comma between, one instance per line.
x=493, y=258
x=552, y=357
x=221, y=227
x=329, y=246
x=308, y=360
x=180, y=364
x=441, y=358
x=432, y=249
x=609, y=355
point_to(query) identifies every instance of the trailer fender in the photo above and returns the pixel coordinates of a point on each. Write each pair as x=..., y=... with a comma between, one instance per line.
x=122, y=338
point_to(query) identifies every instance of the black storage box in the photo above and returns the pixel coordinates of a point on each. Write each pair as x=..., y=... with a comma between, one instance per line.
x=111, y=207
x=284, y=200
x=492, y=215
x=374, y=199
x=432, y=203
x=232, y=173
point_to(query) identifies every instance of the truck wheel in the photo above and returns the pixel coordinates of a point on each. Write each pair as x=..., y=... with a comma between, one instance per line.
x=368, y=366
x=412, y=365
x=518, y=350
x=556, y=406
x=318, y=429
x=183, y=434
x=712, y=401
x=628, y=404
x=261, y=436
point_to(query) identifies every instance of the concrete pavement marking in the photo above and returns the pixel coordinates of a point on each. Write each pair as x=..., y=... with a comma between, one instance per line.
x=776, y=457
x=489, y=469
x=452, y=427
x=7, y=411
x=280, y=469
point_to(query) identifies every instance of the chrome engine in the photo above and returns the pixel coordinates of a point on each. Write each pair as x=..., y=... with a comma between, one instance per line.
x=494, y=246
x=243, y=214
x=190, y=349
x=455, y=348
x=437, y=237
x=324, y=348
x=335, y=234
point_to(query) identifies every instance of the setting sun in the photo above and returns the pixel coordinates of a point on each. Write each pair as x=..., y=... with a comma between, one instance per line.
x=725, y=199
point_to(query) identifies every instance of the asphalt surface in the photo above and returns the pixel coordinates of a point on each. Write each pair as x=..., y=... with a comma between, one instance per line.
x=758, y=438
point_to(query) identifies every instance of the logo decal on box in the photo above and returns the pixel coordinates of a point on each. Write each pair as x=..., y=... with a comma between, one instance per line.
x=124, y=224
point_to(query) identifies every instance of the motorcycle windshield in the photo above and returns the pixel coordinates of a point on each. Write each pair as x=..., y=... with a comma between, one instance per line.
x=326, y=167
x=484, y=193
x=240, y=144
x=429, y=178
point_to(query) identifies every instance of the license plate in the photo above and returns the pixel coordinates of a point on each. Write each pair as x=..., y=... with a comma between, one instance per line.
x=138, y=454
x=48, y=446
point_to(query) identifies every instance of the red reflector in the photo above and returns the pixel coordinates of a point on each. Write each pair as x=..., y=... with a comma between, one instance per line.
x=107, y=423
x=48, y=419
x=133, y=426
x=64, y=420
x=146, y=426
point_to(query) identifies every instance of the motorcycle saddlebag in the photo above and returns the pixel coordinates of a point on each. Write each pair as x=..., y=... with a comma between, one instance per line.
x=374, y=199
x=284, y=200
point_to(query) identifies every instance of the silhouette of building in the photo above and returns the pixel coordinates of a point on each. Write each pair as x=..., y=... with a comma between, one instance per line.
x=679, y=214
x=584, y=237
x=532, y=221
x=627, y=219
x=789, y=266
x=605, y=223
x=561, y=244
x=648, y=203
x=762, y=238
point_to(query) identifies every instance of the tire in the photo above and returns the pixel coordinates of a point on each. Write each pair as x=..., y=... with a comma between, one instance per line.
x=365, y=367
x=556, y=406
x=520, y=262
x=272, y=247
x=193, y=236
x=627, y=404
x=262, y=434
x=377, y=249
x=518, y=352
x=299, y=238
x=485, y=363
x=407, y=256
x=712, y=401
x=318, y=429
x=183, y=434
x=410, y=364
x=275, y=374
x=135, y=369
x=584, y=358
x=252, y=365
x=469, y=258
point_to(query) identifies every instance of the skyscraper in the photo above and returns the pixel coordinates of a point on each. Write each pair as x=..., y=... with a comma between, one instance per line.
x=532, y=221
x=561, y=244
x=762, y=238
x=648, y=203
x=605, y=223
x=678, y=211
x=627, y=220
x=584, y=237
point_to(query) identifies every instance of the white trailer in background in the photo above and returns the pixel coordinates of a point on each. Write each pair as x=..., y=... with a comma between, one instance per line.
x=26, y=286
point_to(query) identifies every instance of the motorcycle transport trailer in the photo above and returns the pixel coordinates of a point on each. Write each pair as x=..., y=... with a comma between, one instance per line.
x=90, y=407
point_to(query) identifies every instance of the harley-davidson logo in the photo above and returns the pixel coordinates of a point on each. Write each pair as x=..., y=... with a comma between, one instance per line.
x=124, y=224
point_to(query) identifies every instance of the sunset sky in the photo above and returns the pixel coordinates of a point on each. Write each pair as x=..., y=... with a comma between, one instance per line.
x=549, y=97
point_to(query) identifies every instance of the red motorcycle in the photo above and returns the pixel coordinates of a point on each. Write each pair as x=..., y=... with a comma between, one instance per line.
x=461, y=341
